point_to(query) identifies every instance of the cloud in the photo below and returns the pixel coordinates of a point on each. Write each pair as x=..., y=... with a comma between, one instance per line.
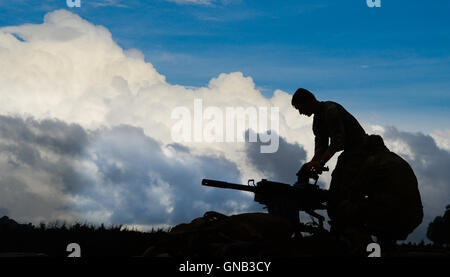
x=72, y=70
x=63, y=82
x=108, y=3
x=51, y=170
x=442, y=139
x=193, y=2
x=209, y=3
x=280, y=166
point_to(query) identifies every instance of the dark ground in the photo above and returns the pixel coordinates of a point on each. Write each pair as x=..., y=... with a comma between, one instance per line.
x=52, y=240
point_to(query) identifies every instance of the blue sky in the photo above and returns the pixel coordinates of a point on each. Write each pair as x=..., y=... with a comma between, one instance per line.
x=388, y=65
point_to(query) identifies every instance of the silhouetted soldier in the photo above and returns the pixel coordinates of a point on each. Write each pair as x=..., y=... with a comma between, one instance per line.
x=356, y=191
x=335, y=130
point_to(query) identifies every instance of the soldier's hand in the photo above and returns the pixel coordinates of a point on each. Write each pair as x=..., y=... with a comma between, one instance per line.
x=309, y=166
x=316, y=165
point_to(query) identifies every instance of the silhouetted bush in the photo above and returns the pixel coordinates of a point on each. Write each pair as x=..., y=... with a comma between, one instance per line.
x=52, y=239
x=439, y=229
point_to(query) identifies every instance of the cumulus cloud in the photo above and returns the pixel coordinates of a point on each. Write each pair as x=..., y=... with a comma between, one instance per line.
x=281, y=165
x=51, y=170
x=442, y=138
x=85, y=133
x=71, y=69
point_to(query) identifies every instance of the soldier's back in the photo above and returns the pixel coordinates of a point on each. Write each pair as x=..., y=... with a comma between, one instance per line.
x=393, y=197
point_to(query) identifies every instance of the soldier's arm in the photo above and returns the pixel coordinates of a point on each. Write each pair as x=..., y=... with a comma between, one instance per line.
x=326, y=156
x=320, y=149
x=321, y=158
x=337, y=135
x=336, y=129
x=320, y=146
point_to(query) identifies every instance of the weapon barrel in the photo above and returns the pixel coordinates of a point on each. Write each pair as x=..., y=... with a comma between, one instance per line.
x=225, y=185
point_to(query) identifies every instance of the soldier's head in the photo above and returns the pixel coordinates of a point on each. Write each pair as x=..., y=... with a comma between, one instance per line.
x=304, y=101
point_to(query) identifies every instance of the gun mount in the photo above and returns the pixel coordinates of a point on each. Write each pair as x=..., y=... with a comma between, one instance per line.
x=283, y=199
